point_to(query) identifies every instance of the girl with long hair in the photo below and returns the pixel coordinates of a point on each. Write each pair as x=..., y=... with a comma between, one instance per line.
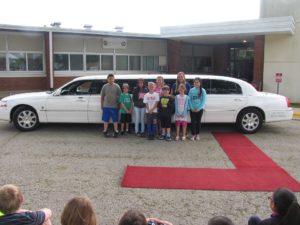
x=285, y=209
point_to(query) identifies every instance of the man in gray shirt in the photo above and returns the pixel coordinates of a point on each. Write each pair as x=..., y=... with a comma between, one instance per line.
x=110, y=95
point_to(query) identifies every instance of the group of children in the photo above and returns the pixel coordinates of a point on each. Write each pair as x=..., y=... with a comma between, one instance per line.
x=158, y=103
x=79, y=211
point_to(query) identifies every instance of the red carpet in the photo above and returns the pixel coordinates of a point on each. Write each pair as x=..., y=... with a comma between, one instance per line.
x=255, y=171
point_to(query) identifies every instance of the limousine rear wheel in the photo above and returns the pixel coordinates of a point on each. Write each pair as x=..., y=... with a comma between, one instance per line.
x=250, y=121
x=25, y=118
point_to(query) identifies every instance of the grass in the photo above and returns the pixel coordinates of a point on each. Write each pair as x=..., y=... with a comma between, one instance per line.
x=295, y=105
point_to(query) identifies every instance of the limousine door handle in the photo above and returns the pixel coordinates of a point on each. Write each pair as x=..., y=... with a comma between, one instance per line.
x=237, y=99
x=80, y=99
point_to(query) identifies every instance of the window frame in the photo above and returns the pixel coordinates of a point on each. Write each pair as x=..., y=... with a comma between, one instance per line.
x=8, y=69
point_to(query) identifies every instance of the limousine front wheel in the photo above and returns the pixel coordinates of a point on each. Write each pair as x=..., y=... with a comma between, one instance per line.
x=250, y=121
x=25, y=118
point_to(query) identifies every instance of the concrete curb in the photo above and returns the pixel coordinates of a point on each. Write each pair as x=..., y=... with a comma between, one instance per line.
x=296, y=115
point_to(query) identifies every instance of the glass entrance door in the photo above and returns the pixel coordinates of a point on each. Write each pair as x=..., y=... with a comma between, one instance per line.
x=241, y=62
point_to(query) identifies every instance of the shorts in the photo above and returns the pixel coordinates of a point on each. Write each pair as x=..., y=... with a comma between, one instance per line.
x=165, y=121
x=110, y=112
x=180, y=122
x=125, y=118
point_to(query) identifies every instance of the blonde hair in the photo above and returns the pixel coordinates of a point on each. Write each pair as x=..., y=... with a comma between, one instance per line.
x=11, y=198
x=125, y=85
x=177, y=81
x=78, y=211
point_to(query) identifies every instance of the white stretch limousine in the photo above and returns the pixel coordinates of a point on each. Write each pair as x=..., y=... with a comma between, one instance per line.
x=229, y=100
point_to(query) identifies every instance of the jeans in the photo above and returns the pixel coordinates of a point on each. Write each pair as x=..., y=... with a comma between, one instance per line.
x=151, y=123
x=196, y=121
x=139, y=114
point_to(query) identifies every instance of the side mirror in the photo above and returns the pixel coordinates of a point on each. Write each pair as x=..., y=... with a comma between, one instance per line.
x=57, y=92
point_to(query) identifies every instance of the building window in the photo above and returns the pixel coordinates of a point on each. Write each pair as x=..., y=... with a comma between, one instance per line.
x=134, y=63
x=150, y=63
x=202, y=65
x=107, y=62
x=186, y=64
x=61, y=62
x=2, y=61
x=17, y=61
x=35, y=61
x=76, y=62
x=92, y=62
x=122, y=62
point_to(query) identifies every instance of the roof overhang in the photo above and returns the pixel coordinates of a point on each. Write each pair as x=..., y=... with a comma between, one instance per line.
x=60, y=30
x=216, y=33
x=210, y=33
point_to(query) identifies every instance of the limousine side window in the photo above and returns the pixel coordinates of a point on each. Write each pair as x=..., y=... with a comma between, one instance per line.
x=77, y=88
x=96, y=87
x=205, y=84
x=221, y=87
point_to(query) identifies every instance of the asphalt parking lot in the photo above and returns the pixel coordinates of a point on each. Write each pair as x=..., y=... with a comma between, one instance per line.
x=57, y=162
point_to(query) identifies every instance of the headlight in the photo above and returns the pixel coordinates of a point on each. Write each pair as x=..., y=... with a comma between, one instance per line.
x=3, y=104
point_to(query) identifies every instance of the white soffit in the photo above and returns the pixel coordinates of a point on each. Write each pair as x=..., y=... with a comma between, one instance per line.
x=248, y=27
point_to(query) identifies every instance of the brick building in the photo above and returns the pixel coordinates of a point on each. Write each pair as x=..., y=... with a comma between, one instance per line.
x=41, y=58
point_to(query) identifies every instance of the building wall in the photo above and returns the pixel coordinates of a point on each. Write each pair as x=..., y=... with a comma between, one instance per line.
x=38, y=42
x=23, y=43
x=282, y=51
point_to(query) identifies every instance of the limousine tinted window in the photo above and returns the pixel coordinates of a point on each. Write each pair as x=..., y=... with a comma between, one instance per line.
x=224, y=87
x=77, y=88
x=96, y=87
x=205, y=84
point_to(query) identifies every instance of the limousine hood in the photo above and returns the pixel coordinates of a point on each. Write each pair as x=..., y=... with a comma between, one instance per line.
x=26, y=96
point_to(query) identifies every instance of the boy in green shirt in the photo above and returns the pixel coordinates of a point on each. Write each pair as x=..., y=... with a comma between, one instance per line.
x=126, y=109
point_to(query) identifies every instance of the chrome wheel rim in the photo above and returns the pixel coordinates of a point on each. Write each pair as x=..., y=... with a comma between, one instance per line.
x=250, y=121
x=27, y=119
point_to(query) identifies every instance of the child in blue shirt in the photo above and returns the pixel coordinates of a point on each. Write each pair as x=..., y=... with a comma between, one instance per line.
x=11, y=200
x=197, y=99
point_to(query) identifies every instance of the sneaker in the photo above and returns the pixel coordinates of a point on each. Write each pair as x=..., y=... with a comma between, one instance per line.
x=162, y=137
x=183, y=138
x=168, y=138
x=127, y=132
x=116, y=134
x=142, y=135
x=122, y=132
x=105, y=133
x=198, y=137
x=138, y=134
x=193, y=138
x=177, y=138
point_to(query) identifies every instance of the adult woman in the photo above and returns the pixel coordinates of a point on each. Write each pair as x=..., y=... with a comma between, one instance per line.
x=139, y=106
x=78, y=211
x=180, y=80
x=285, y=209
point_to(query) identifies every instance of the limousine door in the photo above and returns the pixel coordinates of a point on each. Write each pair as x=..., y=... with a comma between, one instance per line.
x=94, y=106
x=70, y=104
x=224, y=99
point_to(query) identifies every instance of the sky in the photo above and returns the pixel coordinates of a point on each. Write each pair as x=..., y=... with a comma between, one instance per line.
x=138, y=16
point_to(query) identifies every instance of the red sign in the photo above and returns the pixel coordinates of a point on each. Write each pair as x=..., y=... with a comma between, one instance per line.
x=278, y=77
